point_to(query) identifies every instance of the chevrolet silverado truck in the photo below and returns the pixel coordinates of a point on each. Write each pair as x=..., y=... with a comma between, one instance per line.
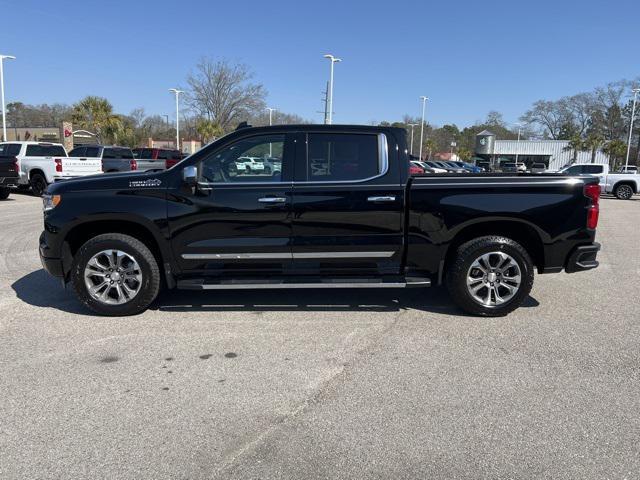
x=623, y=185
x=343, y=213
x=43, y=163
x=8, y=174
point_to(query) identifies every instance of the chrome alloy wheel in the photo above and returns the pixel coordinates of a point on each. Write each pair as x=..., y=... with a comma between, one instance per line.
x=112, y=277
x=625, y=192
x=493, y=279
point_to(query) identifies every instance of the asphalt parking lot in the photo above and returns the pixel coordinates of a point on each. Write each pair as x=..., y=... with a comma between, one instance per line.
x=327, y=384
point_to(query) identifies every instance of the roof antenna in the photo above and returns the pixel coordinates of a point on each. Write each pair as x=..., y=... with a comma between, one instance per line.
x=242, y=125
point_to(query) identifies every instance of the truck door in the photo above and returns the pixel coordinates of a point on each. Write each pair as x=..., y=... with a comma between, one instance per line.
x=237, y=221
x=347, y=204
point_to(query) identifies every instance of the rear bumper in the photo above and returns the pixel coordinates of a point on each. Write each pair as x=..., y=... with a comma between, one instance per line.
x=582, y=258
x=8, y=181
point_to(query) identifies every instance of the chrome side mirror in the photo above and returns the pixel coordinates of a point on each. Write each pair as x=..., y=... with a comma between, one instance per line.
x=190, y=175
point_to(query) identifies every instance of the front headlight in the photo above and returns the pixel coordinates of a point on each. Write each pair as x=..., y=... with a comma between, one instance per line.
x=49, y=202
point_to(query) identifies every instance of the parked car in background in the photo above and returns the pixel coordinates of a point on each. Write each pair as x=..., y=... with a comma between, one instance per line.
x=251, y=165
x=455, y=167
x=415, y=168
x=426, y=168
x=41, y=164
x=628, y=169
x=435, y=167
x=485, y=165
x=622, y=185
x=513, y=167
x=469, y=167
x=8, y=173
x=156, y=158
x=538, y=168
x=112, y=158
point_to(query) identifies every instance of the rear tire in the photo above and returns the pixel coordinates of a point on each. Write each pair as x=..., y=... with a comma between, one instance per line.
x=4, y=193
x=623, y=192
x=490, y=276
x=115, y=302
x=38, y=184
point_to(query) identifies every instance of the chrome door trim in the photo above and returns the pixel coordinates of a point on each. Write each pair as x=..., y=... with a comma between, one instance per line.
x=236, y=256
x=285, y=255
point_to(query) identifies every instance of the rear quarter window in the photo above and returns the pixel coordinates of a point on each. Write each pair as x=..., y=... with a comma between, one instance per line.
x=124, y=153
x=10, y=149
x=45, y=151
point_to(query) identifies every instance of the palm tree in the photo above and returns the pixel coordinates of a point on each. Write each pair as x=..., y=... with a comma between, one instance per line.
x=429, y=146
x=208, y=130
x=577, y=144
x=96, y=115
x=593, y=142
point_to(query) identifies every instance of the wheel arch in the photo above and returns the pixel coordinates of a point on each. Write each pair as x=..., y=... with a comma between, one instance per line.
x=519, y=231
x=80, y=233
x=631, y=183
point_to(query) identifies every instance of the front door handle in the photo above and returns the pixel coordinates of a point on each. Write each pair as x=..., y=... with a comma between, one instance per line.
x=272, y=200
x=382, y=199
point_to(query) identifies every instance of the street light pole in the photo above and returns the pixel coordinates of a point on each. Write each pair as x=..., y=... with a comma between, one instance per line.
x=633, y=114
x=177, y=93
x=424, y=106
x=329, y=115
x=4, y=118
x=518, y=144
x=411, y=148
x=271, y=110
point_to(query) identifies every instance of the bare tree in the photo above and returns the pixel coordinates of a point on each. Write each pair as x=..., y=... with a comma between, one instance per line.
x=551, y=116
x=223, y=93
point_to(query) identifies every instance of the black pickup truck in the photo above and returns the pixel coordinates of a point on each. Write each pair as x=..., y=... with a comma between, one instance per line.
x=338, y=209
x=8, y=174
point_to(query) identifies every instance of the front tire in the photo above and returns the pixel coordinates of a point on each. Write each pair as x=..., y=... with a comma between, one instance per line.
x=115, y=275
x=623, y=192
x=490, y=276
x=4, y=193
x=38, y=184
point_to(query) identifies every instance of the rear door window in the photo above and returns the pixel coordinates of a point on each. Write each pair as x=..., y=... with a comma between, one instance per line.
x=342, y=157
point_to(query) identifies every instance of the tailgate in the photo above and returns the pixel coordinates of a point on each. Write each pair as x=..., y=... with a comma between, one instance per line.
x=80, y=166
x=8, y=167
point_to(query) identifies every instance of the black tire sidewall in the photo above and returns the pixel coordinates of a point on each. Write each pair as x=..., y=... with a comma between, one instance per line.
x=4, y=193
x=142, y=255
x=457, y=275
x=38, y=180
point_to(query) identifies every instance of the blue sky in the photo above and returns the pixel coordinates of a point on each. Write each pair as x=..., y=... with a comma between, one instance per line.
x=468, y=57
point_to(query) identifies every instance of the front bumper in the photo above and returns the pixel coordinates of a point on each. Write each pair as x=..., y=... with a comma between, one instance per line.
x=582, y=258
x=52, y=264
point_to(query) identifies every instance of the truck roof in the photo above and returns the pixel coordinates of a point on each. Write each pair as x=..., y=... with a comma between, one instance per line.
x=33, y=143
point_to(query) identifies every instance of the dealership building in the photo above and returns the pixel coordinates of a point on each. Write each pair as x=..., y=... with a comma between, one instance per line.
x=554, y=154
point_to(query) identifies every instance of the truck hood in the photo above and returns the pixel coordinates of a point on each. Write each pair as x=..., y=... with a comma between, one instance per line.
x=110, y=181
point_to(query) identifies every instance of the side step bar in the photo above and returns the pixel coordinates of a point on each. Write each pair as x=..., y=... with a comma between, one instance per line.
x=246, y=284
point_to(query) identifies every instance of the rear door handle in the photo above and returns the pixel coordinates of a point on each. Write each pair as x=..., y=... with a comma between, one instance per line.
x=382, y=199
x=272, y=200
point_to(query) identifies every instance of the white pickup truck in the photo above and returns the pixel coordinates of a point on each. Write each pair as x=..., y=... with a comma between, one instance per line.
x=41, y=164
x=622, y=185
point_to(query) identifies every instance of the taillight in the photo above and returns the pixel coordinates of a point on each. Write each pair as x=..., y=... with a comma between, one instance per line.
x=170, y=163
x=16, y=165
x=133, y=164
x=58, y=165
x=593, y=211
